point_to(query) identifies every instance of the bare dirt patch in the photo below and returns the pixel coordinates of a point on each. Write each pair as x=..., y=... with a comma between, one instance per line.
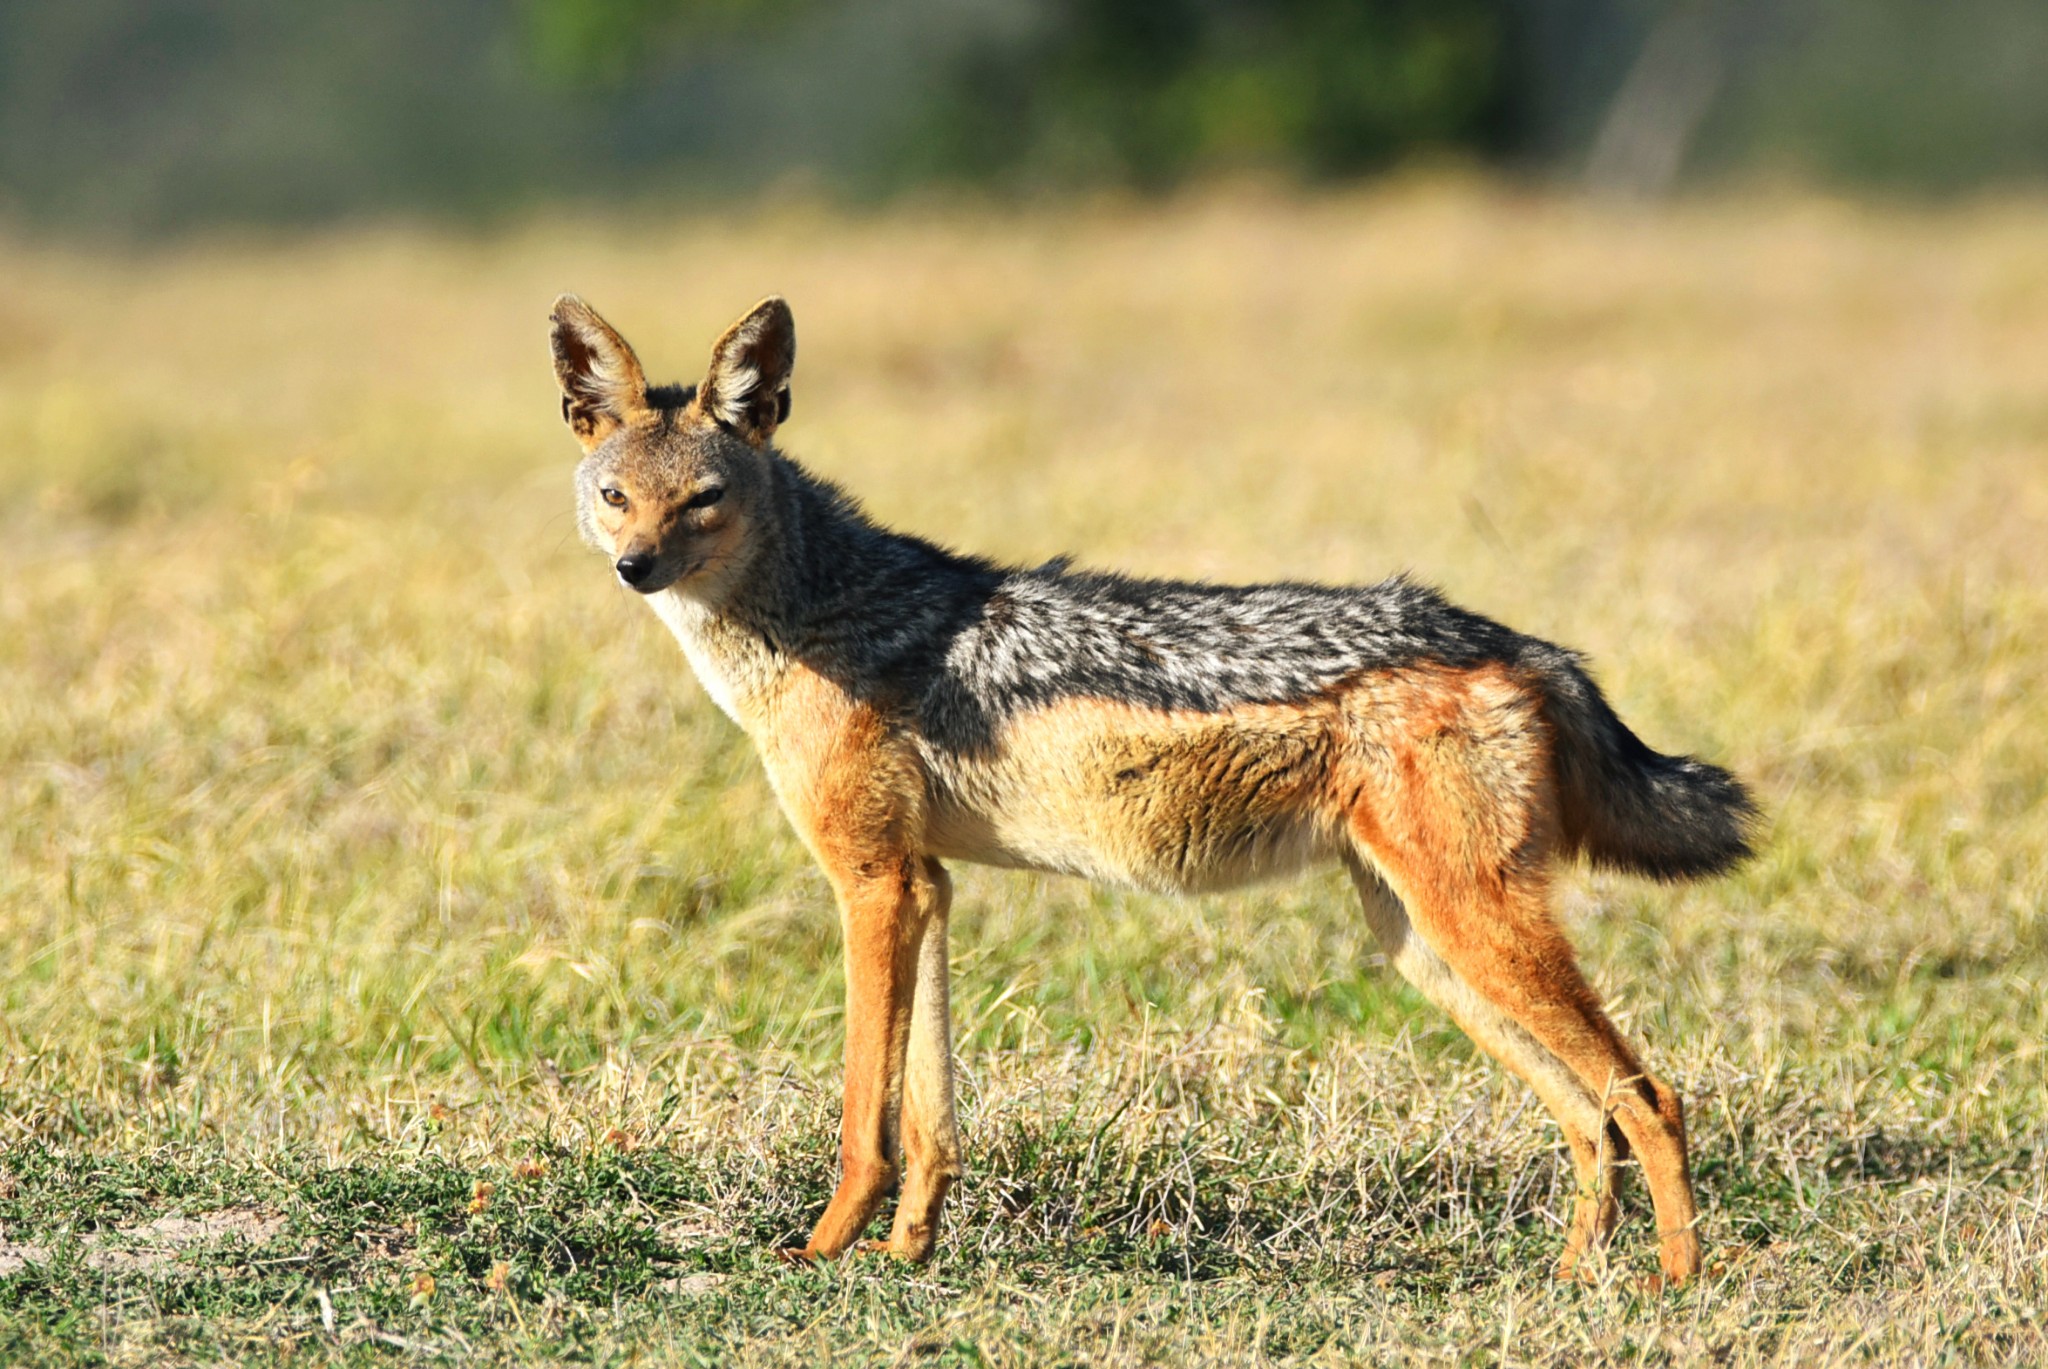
x=156, y=1244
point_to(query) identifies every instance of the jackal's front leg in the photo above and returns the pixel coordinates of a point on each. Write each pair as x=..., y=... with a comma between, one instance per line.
x=885, y=917
x=930, y=1137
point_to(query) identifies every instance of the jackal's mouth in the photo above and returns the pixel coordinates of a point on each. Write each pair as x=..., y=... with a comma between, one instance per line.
x=654, y=581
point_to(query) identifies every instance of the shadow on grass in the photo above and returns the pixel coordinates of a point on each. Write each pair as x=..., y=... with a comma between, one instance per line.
x=590, y=1225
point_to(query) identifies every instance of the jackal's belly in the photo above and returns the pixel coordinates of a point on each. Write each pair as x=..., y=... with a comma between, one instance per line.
x=1172, y=801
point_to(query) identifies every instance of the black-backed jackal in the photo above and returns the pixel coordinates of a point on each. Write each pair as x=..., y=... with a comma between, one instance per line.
x=914, y=706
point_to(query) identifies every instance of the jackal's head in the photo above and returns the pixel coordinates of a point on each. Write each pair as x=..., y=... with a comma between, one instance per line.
x=673, y=485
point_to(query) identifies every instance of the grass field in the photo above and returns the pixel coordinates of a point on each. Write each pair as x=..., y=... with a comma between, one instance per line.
x=400, y=957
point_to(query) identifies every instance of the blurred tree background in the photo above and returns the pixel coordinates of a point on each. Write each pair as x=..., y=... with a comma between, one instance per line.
x=140, y=116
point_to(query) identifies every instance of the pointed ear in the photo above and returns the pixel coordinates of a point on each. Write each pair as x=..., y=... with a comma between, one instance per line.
x=747, y=387
x=602, y=384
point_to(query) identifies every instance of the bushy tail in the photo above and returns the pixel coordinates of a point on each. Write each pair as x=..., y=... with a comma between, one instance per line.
x=1628, y=807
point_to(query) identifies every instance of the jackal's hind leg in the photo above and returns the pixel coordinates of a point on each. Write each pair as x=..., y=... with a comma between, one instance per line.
x=1499, y=940
x=1597, y=1148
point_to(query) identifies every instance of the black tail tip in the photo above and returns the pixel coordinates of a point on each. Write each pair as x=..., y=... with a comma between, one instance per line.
x=1721, y=823
x=1696, y=821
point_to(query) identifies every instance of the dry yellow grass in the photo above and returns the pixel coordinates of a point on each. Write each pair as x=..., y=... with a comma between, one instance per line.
x=337, y=783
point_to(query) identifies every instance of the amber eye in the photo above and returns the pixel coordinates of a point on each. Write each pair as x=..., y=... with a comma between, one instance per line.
x=615, y=498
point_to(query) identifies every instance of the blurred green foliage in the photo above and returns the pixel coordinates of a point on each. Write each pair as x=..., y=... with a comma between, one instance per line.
x=605, y=42
x=135, y=116
x=1149, y=93
x=138, y=115
x=1932, y=95
x=1094, y=90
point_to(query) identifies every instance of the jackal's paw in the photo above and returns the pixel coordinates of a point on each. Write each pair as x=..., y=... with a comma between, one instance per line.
x=1598, y=1274
x=802, y=1256
x=908, y=1252
x=1667, y=1280
x=1680, y=1260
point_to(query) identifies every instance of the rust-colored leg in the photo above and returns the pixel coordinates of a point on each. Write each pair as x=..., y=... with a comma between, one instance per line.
x=1596, y=1148
x=1499, y=939
x=884, y=912
x=930, y=1135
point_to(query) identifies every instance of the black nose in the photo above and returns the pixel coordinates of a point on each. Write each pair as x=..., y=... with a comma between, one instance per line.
x=635, y=568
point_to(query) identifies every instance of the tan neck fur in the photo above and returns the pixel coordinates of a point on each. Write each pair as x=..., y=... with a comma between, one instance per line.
x=735, y=665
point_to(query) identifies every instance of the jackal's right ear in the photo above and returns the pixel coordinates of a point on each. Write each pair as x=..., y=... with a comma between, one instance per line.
x=602, y=384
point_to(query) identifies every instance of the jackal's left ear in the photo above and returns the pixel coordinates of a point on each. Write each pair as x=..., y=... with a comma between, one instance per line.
x=747, y=387
x=602, y=384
